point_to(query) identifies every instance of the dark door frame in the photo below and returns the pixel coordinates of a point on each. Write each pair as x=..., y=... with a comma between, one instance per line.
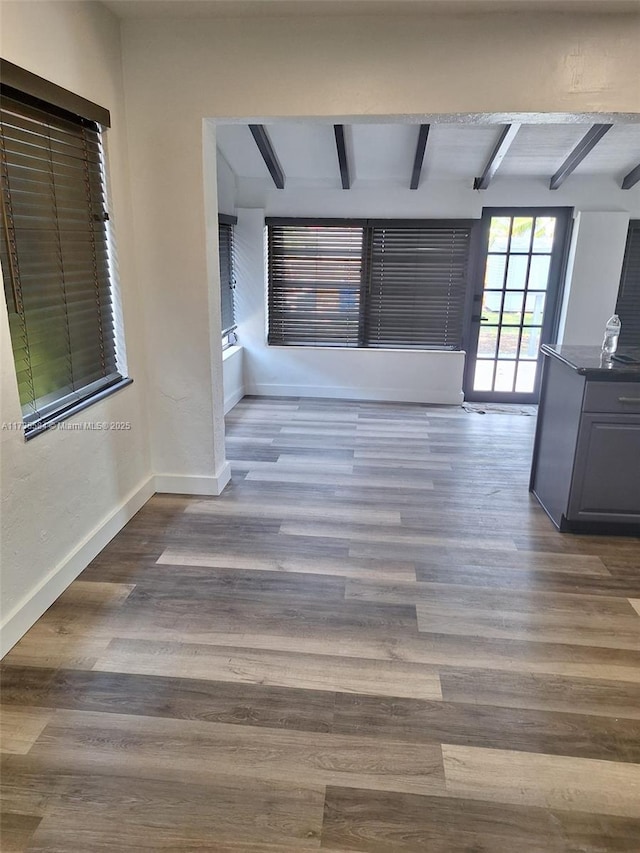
x=553, y=306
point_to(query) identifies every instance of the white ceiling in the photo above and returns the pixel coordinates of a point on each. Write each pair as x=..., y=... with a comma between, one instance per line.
x=385, y=152
x=252, y=8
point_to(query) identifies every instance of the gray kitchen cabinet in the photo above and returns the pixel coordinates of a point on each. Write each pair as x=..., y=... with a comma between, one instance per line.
x=586, y=465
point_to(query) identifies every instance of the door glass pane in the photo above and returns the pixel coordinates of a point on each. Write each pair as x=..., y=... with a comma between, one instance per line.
x=517, y=272
x=521, y=234
x=487, y=342
x=534, y=309
x=543, y=233
x=508, y=347
x=483, y=379
x=505, y=373
x=512, y=308
x=526, y=378
x=539, y=272
x=530, y=343
x=499, y=233
x=491, y=304
x=494, y=273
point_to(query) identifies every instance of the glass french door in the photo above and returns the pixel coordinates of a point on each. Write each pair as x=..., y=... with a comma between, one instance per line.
x=515, y=300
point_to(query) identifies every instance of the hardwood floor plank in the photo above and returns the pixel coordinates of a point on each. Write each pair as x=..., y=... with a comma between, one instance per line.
x=20, y=727
x=43, y=645
x=536, y=580
x=205, y=753
x=272, y=668
x=364, y=481
x=346, y=567
x=181, y=698
x=524, y=730
x=373, y=822
x=401, y=536
x=602, y=546
x=16, y=831
x=598, y=697
x=80, y=809
x=492, y=558
x=187, y=618
x=166, y=581
x=307, y=510
x=516, y=601
x=375, y=463
x=285, y=464
x=87, y=596
x=587, y=629
x=550, y=781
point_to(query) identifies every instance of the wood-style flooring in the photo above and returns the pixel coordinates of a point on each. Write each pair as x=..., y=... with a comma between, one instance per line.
x=374, y=640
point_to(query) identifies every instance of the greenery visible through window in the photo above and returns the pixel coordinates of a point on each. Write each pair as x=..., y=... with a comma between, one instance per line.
x=55, y=258
x=368, y=284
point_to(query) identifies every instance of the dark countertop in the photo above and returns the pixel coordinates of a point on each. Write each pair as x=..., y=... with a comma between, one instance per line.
x=589, y=362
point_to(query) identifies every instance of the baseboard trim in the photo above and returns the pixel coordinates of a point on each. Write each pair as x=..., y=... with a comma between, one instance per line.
x=177, y=484
x=384, y=395
x=33, y=605
x=233, y=399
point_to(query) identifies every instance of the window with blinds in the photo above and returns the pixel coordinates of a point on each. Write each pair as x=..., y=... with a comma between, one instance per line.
x=315, y=279
x=368, y=284
x=54, y=252
x=227, y=278
x=628, y=304
x=417, y=286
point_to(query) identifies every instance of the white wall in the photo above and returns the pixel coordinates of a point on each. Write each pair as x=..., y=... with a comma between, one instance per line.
x=226, y=184
x=593, y=275
x=448, y=199
x=233, y=376
x=64, y=494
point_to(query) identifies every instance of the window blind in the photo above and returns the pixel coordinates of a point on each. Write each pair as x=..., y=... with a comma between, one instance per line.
x=628, y=304
x=417, y=286
x=53, y=247
x=227, y=281
x=368, y=283
x=315, y=278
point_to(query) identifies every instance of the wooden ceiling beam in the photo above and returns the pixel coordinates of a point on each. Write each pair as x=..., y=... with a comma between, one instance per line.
x=586, y=144
x=631, y=179
x=343, y=160
x=497, y=156
x=259, y=133
x=418, y=160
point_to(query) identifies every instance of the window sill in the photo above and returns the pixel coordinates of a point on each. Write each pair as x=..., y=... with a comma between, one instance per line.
x=379, y=350
x=44, y=425
x=230, y=351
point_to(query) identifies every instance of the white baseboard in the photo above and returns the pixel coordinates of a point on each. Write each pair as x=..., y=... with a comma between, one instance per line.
x=390, y=395
x=177, y=484
x=232, y=399
x=33, y=605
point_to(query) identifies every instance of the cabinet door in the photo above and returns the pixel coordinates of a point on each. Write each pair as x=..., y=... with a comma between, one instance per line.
x=606, y=481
